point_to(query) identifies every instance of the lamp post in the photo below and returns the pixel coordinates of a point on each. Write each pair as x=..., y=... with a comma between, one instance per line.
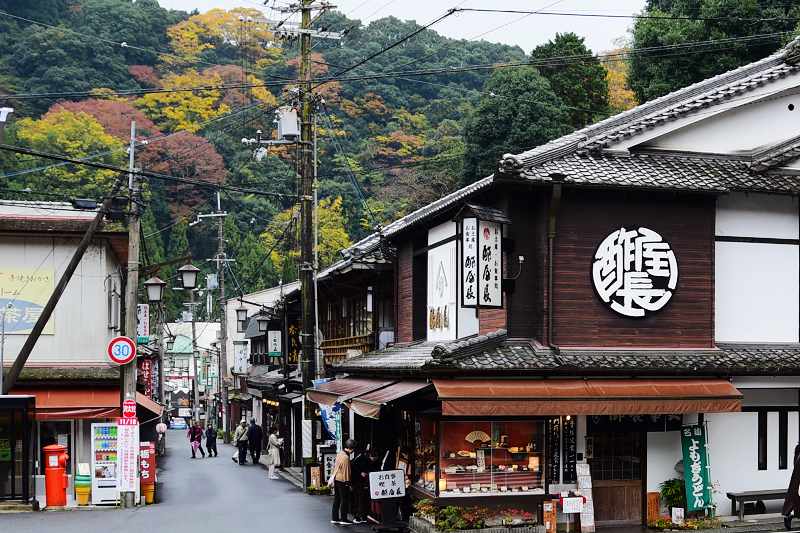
x=189, y=281
x=155, y=294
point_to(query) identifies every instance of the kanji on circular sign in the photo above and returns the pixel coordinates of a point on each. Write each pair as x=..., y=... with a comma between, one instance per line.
x=129, y=408
x=122, y=350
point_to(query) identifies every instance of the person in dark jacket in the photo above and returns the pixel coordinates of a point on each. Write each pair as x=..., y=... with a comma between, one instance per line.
x=791, y=505
x=195, y=437
x=211, y=441
x=254, y=438
x=361, y=467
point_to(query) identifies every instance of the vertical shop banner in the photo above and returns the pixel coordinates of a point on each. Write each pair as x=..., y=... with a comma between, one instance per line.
x=490, y=264
x=142, y=323
x=332, y=418
x=146, y=374
x=147, y=461
x=27, y=290
x=696, y=469
x=240, y=357
x=469, y=262
x=127, y=448
x=274, y=343
x=293, y=346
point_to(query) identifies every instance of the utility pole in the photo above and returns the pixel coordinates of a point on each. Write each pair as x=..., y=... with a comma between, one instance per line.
x=223, y=328
x=308, y=324
x=128, y=371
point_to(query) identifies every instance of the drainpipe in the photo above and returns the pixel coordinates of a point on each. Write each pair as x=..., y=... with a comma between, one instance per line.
x=396, y=290
x=555, y=199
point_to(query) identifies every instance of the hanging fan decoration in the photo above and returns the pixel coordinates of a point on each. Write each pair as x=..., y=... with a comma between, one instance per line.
x=477, y=438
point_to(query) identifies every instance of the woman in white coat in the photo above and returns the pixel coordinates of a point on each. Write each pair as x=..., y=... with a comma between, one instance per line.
x=273, y=451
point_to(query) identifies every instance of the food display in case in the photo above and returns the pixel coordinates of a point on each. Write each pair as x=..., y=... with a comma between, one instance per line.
x=473, y=458
x=425, y=454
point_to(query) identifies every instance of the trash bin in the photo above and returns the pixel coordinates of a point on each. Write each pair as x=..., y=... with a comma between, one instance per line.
x=83, y=486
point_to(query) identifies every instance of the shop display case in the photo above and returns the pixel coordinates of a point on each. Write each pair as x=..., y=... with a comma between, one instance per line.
x=481, y=458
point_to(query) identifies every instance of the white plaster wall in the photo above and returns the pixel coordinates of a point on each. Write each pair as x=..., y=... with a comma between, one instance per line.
x=663, y=452
x=81, y=331
x=738, y=124
x=733, y=448
x=757, y=292
x=758, y=215
x=441, y=232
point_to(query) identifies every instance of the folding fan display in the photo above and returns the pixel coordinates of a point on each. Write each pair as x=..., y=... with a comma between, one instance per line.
x=477, y=436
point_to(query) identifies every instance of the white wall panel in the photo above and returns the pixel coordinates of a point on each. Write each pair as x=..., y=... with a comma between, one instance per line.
x=663, y=452
x=756, y=292
x=733, y=440
x=758, y=215
x=770, y=397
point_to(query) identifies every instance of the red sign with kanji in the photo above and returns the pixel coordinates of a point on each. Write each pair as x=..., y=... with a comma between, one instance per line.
x=147, y=462
x=146, y=374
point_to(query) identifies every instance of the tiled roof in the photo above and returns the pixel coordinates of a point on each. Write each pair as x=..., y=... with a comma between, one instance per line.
x=270, y=378
x=495, y=354
x=700, y=95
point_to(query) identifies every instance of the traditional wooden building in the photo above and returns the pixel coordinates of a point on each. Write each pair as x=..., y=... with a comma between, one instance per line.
x=597, y=298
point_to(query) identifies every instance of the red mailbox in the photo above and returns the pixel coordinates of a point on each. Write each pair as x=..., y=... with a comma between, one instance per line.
x=56, y=481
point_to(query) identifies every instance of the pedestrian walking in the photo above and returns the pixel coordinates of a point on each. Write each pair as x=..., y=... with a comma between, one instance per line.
x=361, y=467
x=211, y=441
x=240, y=440
x=791, y=505
x=195, y=437
x=343, y=484
x=274, y=445
x=255, y=437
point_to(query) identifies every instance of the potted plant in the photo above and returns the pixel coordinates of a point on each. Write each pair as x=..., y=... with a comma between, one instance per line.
x=673, y=492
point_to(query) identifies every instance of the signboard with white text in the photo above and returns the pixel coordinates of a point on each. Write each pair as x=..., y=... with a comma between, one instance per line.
x=142, y=323
x=127, y=452
x=387, y=484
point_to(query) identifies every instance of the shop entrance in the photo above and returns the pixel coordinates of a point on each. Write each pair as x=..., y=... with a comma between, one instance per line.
x=617, y=477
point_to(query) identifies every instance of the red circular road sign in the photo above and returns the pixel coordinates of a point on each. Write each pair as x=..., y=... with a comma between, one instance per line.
x=129, y=408
x=122, y=350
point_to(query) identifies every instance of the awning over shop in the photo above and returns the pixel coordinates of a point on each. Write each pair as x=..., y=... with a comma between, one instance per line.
x=149, y=404
x=73, y=402
x=369, y=404
x=505, y=397
x=341, y=390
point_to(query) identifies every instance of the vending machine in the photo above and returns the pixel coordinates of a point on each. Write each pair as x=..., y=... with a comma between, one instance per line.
x=104, y=464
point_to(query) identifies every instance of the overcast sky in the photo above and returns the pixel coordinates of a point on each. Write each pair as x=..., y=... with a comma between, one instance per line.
x=527, y=31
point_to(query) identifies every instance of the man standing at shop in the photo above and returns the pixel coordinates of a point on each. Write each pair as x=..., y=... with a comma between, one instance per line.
x=254, y=437
x=342, y=484
x=240, y=440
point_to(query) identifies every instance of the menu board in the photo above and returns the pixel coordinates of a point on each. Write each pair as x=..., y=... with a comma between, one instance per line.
x=554, y=450
x=585, y=486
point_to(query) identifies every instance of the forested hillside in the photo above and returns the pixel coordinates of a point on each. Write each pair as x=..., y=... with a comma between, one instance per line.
x=415, y=122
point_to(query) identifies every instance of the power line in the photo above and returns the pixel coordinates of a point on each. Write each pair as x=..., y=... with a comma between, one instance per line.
x=634, y=16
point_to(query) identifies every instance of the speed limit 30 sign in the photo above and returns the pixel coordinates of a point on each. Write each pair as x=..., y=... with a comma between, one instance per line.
x=122, y=350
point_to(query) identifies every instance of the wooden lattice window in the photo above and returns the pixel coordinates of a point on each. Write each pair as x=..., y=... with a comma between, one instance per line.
x=617, y=457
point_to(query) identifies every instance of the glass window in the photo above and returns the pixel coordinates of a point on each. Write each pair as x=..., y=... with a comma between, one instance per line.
x=489, y=457
x=55, y=432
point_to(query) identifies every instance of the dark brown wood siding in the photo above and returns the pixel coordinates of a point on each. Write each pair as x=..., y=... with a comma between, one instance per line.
x=686, y=222
x=405, y=292
x=526, y=305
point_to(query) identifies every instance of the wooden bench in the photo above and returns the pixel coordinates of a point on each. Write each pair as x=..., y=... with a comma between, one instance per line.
x=753, y=496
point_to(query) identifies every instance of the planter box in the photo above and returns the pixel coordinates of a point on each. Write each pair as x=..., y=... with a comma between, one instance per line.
x=418, y=525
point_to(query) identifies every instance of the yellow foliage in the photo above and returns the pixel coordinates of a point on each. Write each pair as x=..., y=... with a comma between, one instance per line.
x=332, y=236
x=620, y=97
x=74, y=136
x=183, y=110
x=217, y=28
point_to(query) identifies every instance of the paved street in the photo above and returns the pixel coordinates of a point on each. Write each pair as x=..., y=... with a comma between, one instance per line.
x=199, y=495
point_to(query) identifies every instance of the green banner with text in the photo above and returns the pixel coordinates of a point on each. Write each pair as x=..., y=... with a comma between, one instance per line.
x=696, y=470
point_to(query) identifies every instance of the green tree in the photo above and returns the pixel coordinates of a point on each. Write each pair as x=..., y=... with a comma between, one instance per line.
x=152, y=250
x=518, y=111
x=178, y=247
x=655, y=73
x=576, y=75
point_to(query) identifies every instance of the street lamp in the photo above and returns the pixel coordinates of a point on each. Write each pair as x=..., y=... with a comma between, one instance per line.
x=170, y=344
x=263, y=322
x=241, y=313
x=189, y=276
x=155, y=289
